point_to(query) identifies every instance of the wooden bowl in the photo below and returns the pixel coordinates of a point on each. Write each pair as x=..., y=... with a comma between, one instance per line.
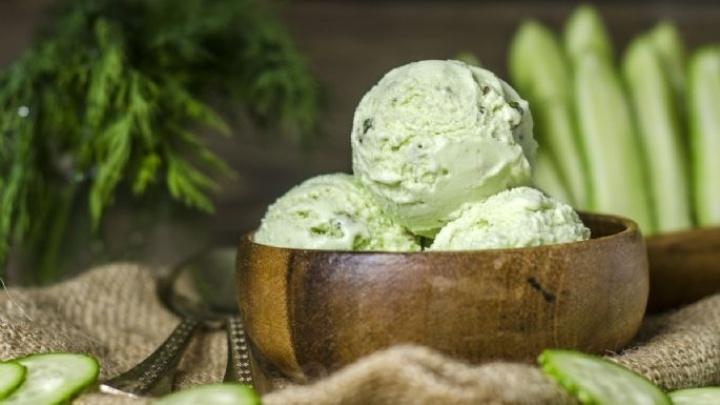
x=684, y=267
x=308, y=312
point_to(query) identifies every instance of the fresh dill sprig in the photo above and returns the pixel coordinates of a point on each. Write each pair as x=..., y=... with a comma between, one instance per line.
x=114, y=92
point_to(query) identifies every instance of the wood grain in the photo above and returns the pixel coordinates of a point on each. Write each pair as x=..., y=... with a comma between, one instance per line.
x=684, y=267
x=476, y=305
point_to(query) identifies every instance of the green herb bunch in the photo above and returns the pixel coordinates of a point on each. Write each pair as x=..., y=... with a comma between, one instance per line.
x=112, y=94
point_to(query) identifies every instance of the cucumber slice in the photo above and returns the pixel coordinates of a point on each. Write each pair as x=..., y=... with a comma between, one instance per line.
x=654, y=103
x=585, y=32
x=704, y=117
x=594, y=380
x=696, y=396
x=11, y=376
x=54, y=378
x=614, y=158
x=539, y=71
x=216, y=394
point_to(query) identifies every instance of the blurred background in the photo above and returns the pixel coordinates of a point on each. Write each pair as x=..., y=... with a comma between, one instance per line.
x=348, y=46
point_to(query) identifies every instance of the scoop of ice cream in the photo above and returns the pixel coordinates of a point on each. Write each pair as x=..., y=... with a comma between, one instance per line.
x=519, y=217
x=331, y=212
x=432, y=135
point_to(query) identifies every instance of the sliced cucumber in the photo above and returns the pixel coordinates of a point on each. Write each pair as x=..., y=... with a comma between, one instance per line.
x=594, y=380
x=654, y=103
x=540, y=72
x=54, y=378
x=696, y=396
x=212, y=394
x=615, y=162
x=704, y=118
x=11, y=376
x=585, y=32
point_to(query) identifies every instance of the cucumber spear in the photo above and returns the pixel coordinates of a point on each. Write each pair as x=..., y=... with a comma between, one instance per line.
x=654, y=104
x=669, y=45
x=667, y=42
x=548, y=179
x=615, y=162
x=539, y=71
x=585, y=32
x=704, y=118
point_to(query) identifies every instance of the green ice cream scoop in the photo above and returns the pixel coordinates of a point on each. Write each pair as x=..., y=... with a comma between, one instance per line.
x=519, y=217
x=432, y=135
x=331, y=212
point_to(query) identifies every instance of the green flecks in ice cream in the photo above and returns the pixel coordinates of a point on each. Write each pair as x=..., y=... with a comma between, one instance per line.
x=433, y=135
x=519, y=217
x=331, y=212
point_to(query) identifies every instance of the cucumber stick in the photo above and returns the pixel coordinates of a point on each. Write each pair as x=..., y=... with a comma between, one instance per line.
x=53, y=378
x=548, y=179
x=614, y=157
x=585, y=32
x=615, y=162
x=704, y=119
x=654, y=103
x=212, y=394
x=11, y=376
x=539, y=71
x=594, y=380
x=667, y=42
x=696, y=396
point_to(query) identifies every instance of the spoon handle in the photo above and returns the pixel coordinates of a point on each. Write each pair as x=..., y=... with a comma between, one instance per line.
x=238, y=363
x=142, y=378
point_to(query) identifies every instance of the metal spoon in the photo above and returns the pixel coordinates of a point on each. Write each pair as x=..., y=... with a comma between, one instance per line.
x=205, y=286
x=202, y=292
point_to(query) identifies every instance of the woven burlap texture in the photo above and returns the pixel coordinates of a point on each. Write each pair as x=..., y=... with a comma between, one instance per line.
x=113, y=314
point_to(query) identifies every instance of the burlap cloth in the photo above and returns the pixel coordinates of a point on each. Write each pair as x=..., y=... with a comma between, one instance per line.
x=113, y=314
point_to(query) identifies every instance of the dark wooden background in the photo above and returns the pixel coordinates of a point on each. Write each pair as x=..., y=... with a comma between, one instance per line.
x=349, y=45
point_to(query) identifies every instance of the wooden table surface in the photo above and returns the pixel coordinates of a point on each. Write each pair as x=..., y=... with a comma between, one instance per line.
x=350, y=44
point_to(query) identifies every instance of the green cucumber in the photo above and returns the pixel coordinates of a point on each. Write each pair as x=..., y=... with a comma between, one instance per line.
x=537, y=64
x=696, y=396
x=215, y=394
x=11, y=376
x=548, y=179
x=615, y=162
x=654, y=103
x=54, y=378
x=539, y=70
x=585, y=32
x=704, y=119
x=594, y=380
x=669, y=45
x=667, y=42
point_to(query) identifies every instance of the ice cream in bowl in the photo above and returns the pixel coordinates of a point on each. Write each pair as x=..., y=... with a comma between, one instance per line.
x=438, y=238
